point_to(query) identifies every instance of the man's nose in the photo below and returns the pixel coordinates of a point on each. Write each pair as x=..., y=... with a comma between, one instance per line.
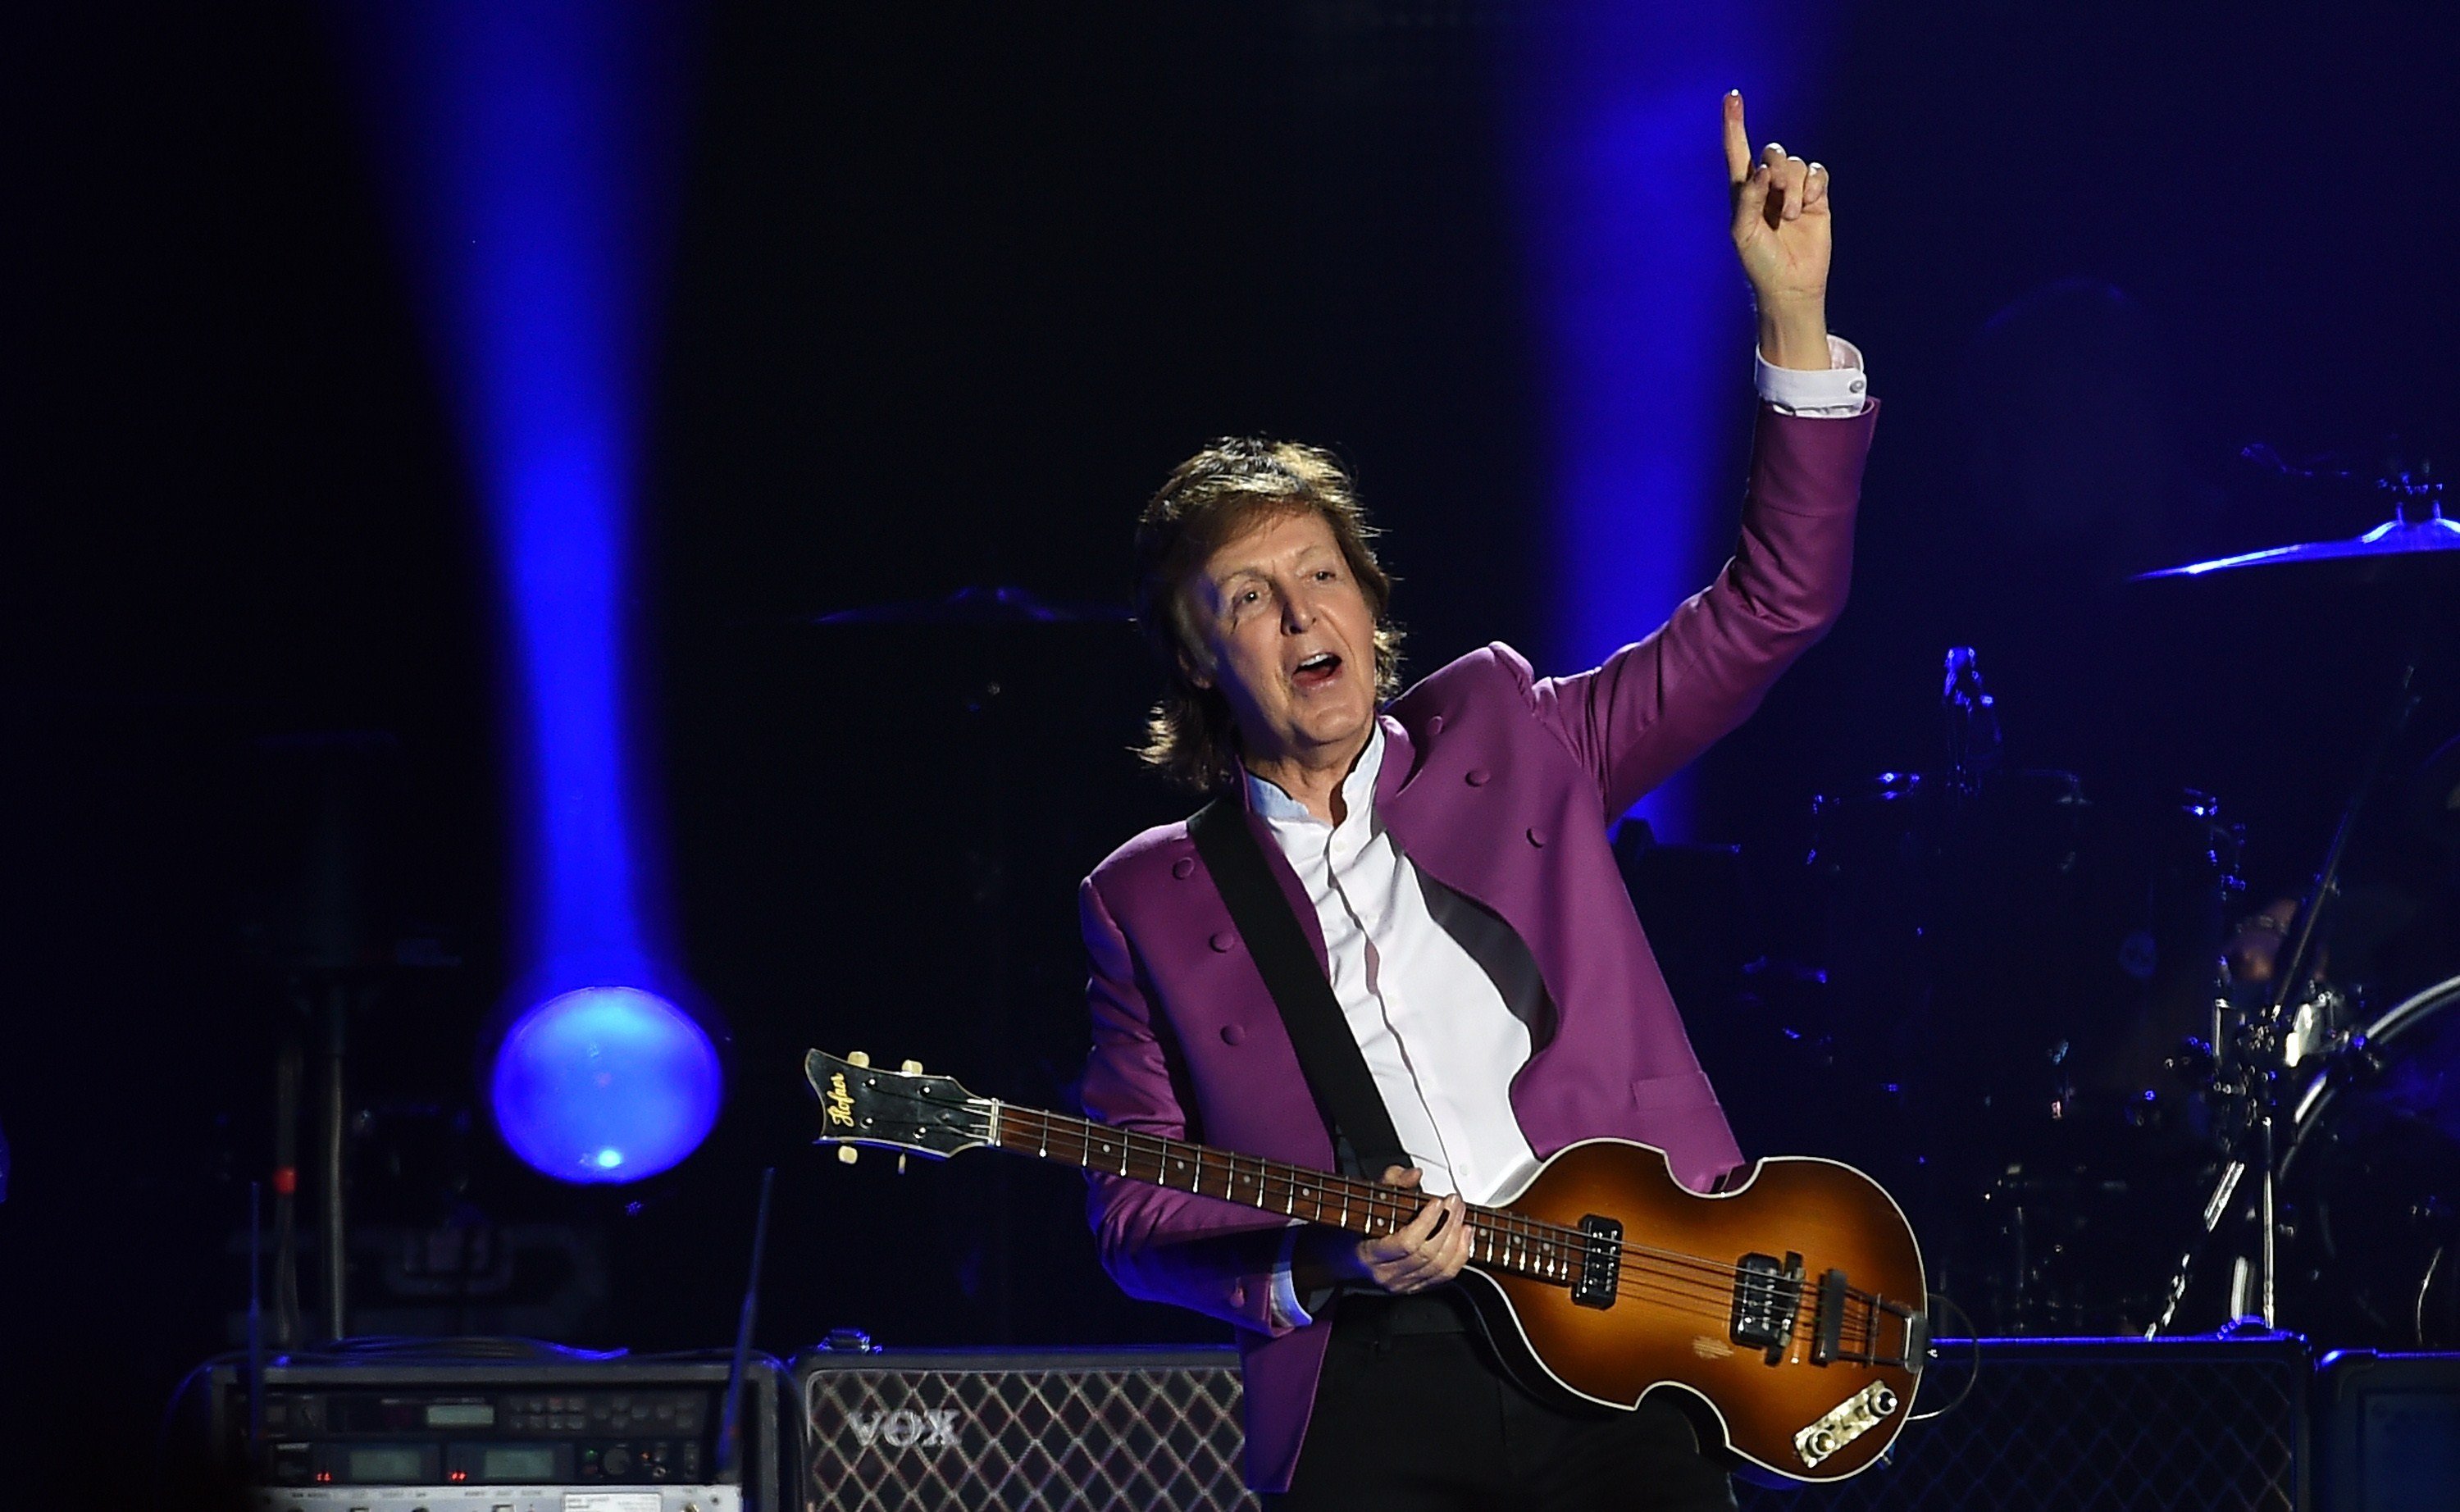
x=1297, y=612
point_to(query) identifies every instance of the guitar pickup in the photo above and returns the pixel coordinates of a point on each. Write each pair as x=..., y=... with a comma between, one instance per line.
x=1601, y=1274
x=1831, y=1315
x=1767, y=1292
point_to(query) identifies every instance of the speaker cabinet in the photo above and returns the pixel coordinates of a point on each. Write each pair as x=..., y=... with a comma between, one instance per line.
x=1097, y=1430
x=2062, y=1425
x=2390, y=1434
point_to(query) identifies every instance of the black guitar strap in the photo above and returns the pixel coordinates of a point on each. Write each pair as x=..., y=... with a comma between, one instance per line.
x=1336, y=1073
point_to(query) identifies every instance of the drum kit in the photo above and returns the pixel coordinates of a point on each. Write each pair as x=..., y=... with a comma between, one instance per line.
x=2120, y=1115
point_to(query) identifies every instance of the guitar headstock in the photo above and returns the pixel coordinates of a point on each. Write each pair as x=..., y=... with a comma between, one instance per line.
x=902, y=1110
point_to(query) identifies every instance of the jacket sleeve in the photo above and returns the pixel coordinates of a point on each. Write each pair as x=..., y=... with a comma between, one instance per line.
x=1654, y=705
x=1163, y=1246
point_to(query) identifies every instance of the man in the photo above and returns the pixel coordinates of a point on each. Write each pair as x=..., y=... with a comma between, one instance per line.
x=1448, y=863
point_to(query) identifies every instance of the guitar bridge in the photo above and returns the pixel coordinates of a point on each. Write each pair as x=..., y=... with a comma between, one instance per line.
x=1827, y=1340
x=1768, y=1293
x=1601, y=1274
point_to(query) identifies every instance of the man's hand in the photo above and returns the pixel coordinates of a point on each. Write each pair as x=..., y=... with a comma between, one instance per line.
x=1781, y=228
x=1429, y=1252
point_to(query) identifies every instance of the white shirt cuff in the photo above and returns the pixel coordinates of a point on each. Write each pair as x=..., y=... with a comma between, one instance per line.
x=1286, y=1312
x=1840, y=393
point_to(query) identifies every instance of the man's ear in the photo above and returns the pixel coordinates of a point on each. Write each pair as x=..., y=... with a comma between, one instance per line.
x=1193, y=664
x=1195, y=671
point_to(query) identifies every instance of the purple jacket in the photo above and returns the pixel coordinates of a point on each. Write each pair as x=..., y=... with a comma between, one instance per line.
x=1501, y=786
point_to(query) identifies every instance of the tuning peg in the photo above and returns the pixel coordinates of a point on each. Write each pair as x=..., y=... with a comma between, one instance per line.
x=847, y=1154
x=857, y=1057
x=912, y=1067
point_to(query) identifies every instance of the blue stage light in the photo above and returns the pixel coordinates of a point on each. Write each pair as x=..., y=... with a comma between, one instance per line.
x=605, y=1084
x=1643, y=322
x=530, y=149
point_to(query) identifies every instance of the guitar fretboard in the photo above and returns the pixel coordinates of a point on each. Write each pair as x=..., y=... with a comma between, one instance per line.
x=1502, y=1240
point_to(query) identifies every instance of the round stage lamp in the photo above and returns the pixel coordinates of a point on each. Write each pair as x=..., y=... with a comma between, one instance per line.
x=605, y=1084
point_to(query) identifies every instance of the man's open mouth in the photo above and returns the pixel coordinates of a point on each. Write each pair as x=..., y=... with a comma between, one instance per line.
x=1317, y=669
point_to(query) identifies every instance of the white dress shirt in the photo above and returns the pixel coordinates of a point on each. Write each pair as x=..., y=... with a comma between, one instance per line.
x=1433, y=1027
x=1435, y=1031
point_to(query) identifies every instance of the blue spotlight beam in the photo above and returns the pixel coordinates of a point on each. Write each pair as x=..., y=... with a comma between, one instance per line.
x=532, y=146
x=1637, y=297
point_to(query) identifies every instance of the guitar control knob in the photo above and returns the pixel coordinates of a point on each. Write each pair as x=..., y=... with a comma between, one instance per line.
x=847, y=1154
x=912, y=1067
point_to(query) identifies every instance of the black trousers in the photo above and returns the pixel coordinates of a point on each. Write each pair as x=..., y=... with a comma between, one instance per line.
x=1413, y=1414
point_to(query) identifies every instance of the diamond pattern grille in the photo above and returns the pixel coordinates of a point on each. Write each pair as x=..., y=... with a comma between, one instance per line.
x=1107, y=1434
x=2075, y=1428
x=2141, y=1428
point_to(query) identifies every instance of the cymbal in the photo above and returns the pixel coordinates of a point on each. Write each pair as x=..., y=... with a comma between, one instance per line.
x=1004, y=603
x=2433, y=541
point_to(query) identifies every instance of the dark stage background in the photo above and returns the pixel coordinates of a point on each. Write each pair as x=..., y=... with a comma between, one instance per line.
x=952, y=288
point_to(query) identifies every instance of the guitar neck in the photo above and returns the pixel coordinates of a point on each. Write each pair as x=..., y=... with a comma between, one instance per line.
x=1501, y=1239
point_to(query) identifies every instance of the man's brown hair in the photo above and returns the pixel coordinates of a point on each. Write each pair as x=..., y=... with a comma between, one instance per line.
x=1233, y=486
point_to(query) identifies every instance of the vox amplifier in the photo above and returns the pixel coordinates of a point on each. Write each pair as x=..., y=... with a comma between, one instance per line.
x=1121, y=1430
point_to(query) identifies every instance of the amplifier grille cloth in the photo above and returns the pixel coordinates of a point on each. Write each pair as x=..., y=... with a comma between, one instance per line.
x=2048, y=1428
x=1105, y=1439
x=2145, y=1431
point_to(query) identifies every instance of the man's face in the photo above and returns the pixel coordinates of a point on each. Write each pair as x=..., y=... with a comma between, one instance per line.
x=1286, y=635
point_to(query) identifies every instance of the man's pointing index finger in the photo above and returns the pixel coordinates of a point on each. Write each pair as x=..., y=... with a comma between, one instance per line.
x=1738, y=142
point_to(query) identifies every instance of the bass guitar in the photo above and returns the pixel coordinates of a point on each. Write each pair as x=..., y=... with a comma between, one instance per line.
x=1791, y=1307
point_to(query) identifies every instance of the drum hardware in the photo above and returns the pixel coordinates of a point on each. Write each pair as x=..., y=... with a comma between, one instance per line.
x=2018, y=956
x=2299, y=1022
x=2371, y=1166
x=2293, y=1023
x=2079, y=1065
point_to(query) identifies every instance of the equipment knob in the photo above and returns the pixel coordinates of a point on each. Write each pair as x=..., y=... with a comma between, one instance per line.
x=618, y=1461
x=857, y=1057
x=846, y=1154
x=1822, y=1441
x=912, y=1067
x=1884, y=1401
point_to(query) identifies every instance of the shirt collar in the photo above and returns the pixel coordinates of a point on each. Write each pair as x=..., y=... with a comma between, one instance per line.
x=1357, y=789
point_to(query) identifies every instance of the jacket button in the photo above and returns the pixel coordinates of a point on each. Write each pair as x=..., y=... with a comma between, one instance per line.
x=1436, y=726
x=1221, y=944
x=1537, y=837
x=1477, y=776
x=1183, y=868
x=1232, y=1034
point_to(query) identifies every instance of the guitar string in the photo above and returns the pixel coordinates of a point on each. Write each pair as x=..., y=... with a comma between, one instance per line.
x=1707, y=1281
x=1672, y=1291
x=1717, y=1272
x=1376, y=1202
